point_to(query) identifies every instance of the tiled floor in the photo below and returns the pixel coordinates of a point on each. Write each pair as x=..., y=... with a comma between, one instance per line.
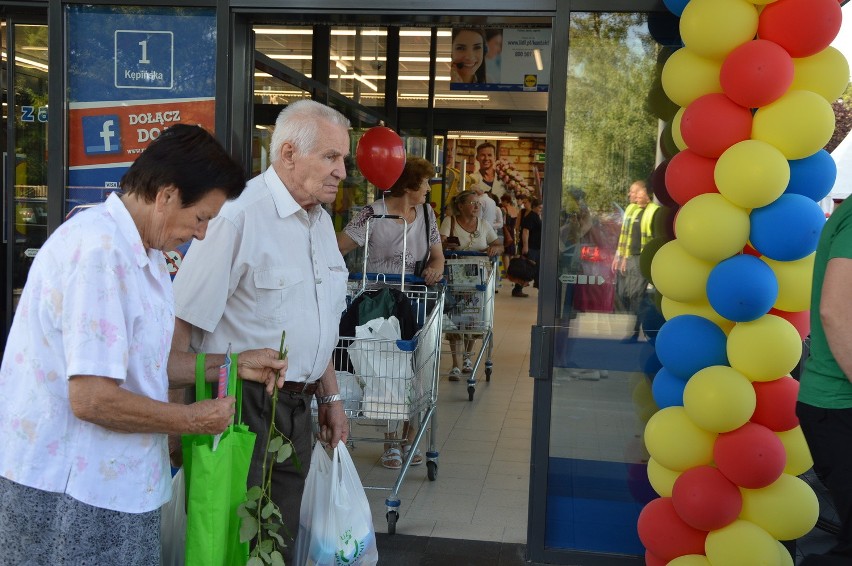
x=482, y=485
x=476, y=510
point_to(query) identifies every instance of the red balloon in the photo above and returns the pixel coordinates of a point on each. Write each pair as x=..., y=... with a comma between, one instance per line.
x=802, y=27
x=689, y=175
x=801, y=320
x=664, y=533
x=658, y=184
x=713, y=123
x=705, y=499
x=651, y=560
x=751, y=456
x=756, y=73
x=776, y=404
x=751, y=251
x=380, y=156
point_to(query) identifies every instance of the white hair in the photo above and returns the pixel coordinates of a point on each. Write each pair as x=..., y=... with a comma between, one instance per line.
x=297, y=124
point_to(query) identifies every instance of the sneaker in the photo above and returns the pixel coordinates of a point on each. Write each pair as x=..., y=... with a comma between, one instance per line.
x=467, y=366
x=455, y=374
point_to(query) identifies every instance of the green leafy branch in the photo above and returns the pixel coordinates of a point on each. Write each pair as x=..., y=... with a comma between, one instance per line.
x=261, y=517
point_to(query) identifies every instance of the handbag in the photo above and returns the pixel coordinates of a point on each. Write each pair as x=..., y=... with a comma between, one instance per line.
x=521, y=270
x=335, y=522
x=216, y=482
x=421, y=264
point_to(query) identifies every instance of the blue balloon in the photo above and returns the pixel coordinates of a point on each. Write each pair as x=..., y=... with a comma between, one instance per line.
x=667, y=389
x=689, y=343
x=742, y=288
x=812, y=176
x=788, y=228
x=676, y=6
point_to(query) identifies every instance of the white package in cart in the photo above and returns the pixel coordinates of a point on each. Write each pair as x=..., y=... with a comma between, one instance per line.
x=383, y=367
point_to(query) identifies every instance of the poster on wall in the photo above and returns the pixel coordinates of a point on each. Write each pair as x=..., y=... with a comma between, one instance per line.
x=494, y=59
x=132, y=73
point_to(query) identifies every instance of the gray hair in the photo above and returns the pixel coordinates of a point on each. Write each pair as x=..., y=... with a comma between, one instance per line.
x=298, y=124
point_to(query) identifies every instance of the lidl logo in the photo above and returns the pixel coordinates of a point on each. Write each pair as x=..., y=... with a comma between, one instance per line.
x=101, y=134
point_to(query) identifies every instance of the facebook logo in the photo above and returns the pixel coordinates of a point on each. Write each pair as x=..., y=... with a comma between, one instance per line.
x=101, y=134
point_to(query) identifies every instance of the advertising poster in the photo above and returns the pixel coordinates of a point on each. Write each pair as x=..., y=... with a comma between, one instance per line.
x=508, y=60
x=132, y=72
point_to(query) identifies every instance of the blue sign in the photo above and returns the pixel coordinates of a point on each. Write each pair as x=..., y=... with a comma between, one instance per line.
x=144, y=59
x=130, y=53
x=101, y=134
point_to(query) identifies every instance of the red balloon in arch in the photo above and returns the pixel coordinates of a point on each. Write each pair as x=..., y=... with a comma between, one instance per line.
x=756, y=73
x=664, y=534
x=689, y=175
x=713, y=123
x=380, y=156
x=776, y=403
x=651, y=560
x=802, y=27
x=751, y=456
x=705, y=499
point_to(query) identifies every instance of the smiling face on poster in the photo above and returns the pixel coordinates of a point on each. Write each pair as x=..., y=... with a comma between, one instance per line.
x=500, y=59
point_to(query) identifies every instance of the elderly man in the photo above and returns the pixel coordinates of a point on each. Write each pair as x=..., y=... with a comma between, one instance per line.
x=269, y=263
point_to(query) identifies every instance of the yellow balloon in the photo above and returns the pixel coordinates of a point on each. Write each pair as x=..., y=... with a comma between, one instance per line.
x=712, y=228
x=686, y=76
x=787, y=508
x=794, y=282
x=661, y=478
x=671, y=309
x=752, y=173
x=690, y=560
x=741, y=543
x=676, y=135
x=825, y=73
x=784, y=555
x=799, y=458
x=761, y=3
x=799, y=123
x=714, y=28
x=675, y=442
x=764, y=349
x=678, y=275
x=719, y=399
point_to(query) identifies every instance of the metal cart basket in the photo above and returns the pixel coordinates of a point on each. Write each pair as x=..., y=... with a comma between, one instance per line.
x=471, y=280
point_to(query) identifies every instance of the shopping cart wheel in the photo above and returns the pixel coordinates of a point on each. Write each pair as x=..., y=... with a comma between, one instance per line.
x=432, y=470
x=392, y=517
x=470, y=391
x=487, y=374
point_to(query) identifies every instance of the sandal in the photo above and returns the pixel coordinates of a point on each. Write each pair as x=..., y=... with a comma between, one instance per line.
x=416, y=460
x=392, y=459
x=455, y=374
x=467, y=366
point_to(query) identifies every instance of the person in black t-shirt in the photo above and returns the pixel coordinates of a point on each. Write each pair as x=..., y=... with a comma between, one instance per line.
x=530, y=242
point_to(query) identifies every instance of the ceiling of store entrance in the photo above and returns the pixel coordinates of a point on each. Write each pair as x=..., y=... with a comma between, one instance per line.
x=358, y=63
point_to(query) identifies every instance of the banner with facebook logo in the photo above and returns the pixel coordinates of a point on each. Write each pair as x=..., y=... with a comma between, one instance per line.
x=132, y=73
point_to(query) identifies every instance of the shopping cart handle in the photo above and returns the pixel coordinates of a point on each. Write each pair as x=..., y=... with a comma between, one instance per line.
x=453, y=253
x=389, y=278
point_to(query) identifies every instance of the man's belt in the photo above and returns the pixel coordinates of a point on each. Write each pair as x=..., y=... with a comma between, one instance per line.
x=300, y=387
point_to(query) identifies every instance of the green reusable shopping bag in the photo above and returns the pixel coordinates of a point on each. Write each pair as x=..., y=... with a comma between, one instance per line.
x=216, y=483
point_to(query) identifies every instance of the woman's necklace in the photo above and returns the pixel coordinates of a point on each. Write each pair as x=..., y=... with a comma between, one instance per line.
x=473, y=227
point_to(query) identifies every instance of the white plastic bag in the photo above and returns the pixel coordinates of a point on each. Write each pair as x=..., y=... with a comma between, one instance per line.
x=335, y=523
x=385, y=369
x=173, y=524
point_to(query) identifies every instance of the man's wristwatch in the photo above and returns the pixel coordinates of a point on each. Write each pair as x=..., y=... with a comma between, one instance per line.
x=329, y=399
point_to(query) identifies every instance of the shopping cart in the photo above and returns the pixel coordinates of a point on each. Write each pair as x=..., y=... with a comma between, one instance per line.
x=384, y=378
x=469, y=303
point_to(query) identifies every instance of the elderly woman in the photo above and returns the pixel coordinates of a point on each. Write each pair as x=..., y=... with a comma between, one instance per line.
x=406, y=198
x=464, y=230
x=84, y=417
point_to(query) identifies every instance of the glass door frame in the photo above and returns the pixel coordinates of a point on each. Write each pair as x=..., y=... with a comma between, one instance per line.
x=542, y=336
